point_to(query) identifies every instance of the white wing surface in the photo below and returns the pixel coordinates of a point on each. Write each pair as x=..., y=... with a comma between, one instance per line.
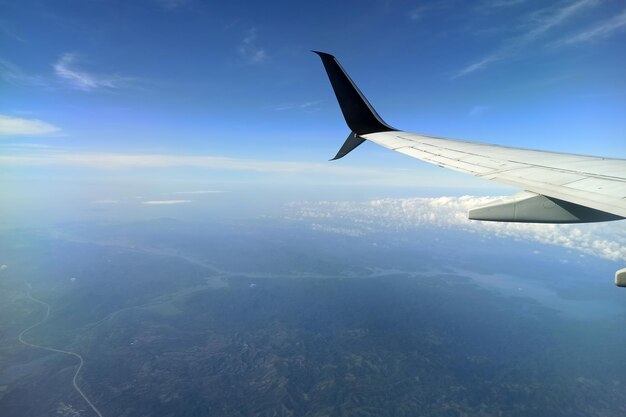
x=590, y=181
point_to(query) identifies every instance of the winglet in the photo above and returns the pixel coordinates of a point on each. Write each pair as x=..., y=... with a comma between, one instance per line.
x=349, y=145
x=358, y=112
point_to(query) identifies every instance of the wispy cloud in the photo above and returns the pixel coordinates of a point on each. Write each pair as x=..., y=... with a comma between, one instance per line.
x=23, y=146
x=597, y=32
x=171, y=4
x=500, y=4
x=307, y=106
x=165, y=202
x=599, y=239
x=430, y=9
x=250, y=50
x=14, y=126
x=9, y=32
x=67, y=70
x=478, y=110
x=105, y=201
x=197, y=192
x=418, y=13
x=538, y=25
x=13, y=74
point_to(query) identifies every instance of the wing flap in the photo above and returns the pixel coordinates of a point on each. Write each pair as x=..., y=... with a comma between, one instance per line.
x=527, y=207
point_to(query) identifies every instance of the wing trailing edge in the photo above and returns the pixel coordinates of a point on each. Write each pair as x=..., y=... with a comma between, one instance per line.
x=527, y=207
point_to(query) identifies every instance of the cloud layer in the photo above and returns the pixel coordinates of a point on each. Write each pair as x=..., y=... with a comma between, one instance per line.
x=121, y=161
x=604, y=240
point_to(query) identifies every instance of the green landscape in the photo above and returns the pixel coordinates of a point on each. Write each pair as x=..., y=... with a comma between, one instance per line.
x=185, y=327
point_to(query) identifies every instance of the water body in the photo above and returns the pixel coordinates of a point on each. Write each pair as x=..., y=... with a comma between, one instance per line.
x=593, y=309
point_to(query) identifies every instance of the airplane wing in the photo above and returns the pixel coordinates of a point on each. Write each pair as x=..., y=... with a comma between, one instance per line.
x=586, y=181
x=557, y=187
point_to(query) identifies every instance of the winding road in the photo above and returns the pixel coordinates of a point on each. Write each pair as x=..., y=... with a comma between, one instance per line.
x=50, y=349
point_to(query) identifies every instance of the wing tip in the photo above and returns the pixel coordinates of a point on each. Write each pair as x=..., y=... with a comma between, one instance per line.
x=323, y=54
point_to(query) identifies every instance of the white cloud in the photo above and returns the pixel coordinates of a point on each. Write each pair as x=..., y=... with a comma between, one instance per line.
x=3, y=267
x=165, y=202
x=65, y=68
x=250, y=50
x=599, y=239
x=538, y=25
x=346, y=231
x=10, y=125
x=602, y=30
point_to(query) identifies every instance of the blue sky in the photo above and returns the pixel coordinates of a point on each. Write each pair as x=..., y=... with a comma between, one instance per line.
x=226, y=94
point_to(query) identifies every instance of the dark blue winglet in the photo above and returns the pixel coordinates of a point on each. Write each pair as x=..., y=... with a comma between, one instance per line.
x=359, y=114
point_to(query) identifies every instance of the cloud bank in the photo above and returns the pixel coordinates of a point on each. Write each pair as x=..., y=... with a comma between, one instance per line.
x=605, y=240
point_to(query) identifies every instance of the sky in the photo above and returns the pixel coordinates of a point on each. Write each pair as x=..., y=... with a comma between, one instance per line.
x=109, y=100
